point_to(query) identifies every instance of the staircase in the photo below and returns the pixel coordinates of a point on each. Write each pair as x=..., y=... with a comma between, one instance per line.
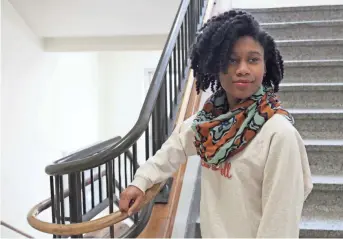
x=311, y=42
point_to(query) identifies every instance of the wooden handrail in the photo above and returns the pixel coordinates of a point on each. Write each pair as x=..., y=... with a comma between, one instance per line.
x=85, y=227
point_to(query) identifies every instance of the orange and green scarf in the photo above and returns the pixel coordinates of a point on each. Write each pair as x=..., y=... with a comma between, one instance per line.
x=221, y=132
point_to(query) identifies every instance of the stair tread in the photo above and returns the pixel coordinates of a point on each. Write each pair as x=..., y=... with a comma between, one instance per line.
x=313, y=23
x=315, y=111
x=311, y=42
x=312, y=87
x=324, y=84
x=327, y=179
x=322, y=62
x=324, y=142
x=321, y=224
x=293, y=8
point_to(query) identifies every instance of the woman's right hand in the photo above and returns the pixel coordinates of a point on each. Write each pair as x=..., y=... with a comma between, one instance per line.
x=130, y=199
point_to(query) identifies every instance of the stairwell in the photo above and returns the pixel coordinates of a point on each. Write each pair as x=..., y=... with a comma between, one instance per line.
x=311, y=42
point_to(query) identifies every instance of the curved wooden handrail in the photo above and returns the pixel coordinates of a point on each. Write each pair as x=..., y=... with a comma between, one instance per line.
x=84, y=227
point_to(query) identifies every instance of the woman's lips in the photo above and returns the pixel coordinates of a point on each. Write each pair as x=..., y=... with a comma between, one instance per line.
x=242, y=83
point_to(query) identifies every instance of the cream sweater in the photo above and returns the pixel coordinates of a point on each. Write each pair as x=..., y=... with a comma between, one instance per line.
x=259, y=193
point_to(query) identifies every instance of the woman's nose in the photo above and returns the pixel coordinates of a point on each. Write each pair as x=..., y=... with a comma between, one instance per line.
x=242, y=69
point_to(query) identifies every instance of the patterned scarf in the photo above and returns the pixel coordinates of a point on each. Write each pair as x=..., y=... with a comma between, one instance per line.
x=221, y=133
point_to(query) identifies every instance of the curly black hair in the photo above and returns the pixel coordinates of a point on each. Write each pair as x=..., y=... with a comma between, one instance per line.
x=213, y=46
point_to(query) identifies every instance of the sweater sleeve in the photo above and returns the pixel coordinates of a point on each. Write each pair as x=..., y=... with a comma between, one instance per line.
x=168, y=159
x=286, y=184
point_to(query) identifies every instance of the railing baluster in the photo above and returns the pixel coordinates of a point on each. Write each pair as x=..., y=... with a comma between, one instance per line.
x=131, y=169
x=165, y=99
x=199, y=12
x=92, y=188
x=192, y=18
x=62, y=199
x=125, y=174
x=171, y=69
x=58, y=200
x=114, y=177
x=119, y=170
x=147, y=145
x=175, y=70
x=186, y=35
x=183, y=54
x=154, y=131
x=84, y=205
x=107, y=180
x=74, y=181
x=189, y=12
x=195, y=16
x=110, y=184
x=52, y=196
x=100, y=184
x=178, y=68
x=135, y=167
x=134, y=152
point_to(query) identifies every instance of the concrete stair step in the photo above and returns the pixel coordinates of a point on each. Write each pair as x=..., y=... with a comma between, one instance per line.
x=290, y=14
x=311, y=49
x=305, y=29
x=323, y=209
x=311, y=95
x=321, y=228
x=319, y=124
x=313, y=71
x=325, y=156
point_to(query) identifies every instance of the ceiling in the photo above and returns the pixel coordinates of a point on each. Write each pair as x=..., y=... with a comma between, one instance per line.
x=97, y=18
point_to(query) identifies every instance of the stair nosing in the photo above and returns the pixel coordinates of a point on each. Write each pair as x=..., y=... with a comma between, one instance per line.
x=311, y=86
x=293, y=8
x=323, y=228
x=323, y=143
x=315, y=111
x=314, y=23
x=327, y=180
x=309, y=42
x=309, y=63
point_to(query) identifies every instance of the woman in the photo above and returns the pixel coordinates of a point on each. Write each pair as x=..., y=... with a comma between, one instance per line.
x=255, y=171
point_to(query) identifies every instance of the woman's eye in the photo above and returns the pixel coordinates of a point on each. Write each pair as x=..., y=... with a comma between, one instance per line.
x=232, y=61
x=254, y=60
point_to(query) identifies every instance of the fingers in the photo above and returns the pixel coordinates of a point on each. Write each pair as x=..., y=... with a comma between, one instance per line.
x=135, y=207
x=130, y=199
x=124, y=202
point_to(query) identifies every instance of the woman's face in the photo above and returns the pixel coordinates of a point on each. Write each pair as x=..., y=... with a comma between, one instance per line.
x=245, y=71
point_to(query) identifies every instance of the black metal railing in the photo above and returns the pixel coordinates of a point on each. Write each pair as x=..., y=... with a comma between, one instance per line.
x=88, y=192
x=95, y=177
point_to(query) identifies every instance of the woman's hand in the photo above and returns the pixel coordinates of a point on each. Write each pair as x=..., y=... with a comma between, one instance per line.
x=130, y=199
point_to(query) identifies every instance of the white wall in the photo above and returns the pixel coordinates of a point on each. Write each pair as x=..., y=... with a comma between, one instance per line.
x=123, y=77
x=48, y=105
x=53, y=103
